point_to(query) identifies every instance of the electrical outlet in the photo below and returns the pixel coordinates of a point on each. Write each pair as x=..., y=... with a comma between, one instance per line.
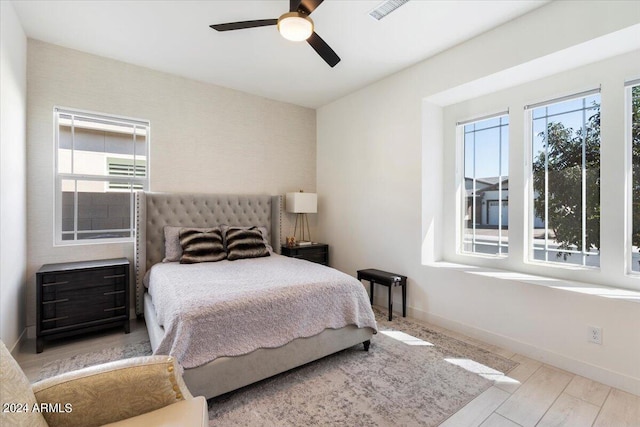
x=594, y=334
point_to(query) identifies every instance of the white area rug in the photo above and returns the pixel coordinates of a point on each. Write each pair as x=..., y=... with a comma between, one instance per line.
x=411, y=376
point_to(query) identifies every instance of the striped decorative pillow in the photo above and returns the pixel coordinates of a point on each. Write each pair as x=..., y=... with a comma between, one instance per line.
x=245, y=243
x=201, y=245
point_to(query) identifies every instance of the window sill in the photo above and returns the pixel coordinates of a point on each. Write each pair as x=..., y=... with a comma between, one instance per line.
x=483, y=256
x=549, y=282
x=561, y=266
x=86, y=242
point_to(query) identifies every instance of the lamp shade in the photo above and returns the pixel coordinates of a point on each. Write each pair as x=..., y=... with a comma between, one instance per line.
x=295, y=26
x=302, y=202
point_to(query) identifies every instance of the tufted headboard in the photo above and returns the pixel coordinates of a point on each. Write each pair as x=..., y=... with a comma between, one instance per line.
x=155, y=210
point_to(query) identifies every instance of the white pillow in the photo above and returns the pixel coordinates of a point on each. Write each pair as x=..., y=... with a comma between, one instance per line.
x=172, y=248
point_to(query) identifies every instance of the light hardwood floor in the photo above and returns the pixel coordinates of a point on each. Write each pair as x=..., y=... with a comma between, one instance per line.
x=532, y=394
x=32, y=362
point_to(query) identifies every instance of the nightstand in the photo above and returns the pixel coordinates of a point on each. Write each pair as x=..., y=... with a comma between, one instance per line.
x=78, y=297
x=315, y=252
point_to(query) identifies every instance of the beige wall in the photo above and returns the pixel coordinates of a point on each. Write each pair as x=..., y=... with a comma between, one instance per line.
x=204, y=138
x=13, y=175
x=381, y=152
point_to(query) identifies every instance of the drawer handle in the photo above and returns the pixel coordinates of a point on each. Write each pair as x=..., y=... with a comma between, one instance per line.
x=55, y=301
x=55, y=283
x=113, y=293
x=114, y=308
x=55, y=318
x=114, y=276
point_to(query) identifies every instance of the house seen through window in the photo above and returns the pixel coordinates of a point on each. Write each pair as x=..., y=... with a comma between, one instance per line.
x=101, y=160
x=485, y=228
x=125, y=167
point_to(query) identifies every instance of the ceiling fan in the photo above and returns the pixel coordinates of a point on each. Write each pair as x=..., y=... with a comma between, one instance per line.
x=294, y=25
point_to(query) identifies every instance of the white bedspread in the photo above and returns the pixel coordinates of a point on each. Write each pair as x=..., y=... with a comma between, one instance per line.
x=231, y=308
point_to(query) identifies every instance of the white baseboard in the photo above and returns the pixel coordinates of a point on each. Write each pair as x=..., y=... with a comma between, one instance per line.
x=578, y=367
x=16, y=345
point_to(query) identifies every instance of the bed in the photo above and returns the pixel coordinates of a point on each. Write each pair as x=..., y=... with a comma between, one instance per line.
x=218, y=366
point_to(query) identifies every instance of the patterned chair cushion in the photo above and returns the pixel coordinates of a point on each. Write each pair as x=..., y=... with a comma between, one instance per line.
x=15, y=391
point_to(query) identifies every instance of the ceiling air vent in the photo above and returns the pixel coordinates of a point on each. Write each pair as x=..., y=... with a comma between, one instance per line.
x=386, y=8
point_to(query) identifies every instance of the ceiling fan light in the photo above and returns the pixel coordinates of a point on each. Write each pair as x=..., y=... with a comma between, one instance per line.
x=295, y=26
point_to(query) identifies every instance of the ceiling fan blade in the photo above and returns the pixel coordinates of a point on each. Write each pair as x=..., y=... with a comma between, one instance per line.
x=305, y=6
x=323, y=49
x=244, y=24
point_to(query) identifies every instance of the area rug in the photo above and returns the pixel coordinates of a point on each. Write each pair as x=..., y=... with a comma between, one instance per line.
x=84, y=360
x=411, y=376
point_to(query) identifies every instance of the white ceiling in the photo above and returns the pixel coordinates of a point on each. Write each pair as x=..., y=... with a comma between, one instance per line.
x=174, y=37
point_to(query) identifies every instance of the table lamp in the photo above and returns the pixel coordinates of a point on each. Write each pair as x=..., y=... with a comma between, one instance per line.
x=302, y=204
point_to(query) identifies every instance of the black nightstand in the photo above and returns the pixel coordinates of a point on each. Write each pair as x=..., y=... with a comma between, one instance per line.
x=315, y=252
x=77, y=297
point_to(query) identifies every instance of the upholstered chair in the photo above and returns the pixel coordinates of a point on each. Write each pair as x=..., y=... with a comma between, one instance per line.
x=142, y=391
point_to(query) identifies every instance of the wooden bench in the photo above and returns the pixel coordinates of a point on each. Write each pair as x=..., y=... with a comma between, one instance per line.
x=389, y=280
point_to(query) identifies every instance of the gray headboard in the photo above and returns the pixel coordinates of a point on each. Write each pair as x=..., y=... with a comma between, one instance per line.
x=155, y=210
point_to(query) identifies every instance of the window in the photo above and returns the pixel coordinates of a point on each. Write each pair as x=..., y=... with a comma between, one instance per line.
x=485, y=215
x=566, y=180
x=101, y=161
x=633, y=108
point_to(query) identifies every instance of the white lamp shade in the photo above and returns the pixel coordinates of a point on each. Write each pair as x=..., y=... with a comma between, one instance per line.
x=295, y=27
x=302, y=202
